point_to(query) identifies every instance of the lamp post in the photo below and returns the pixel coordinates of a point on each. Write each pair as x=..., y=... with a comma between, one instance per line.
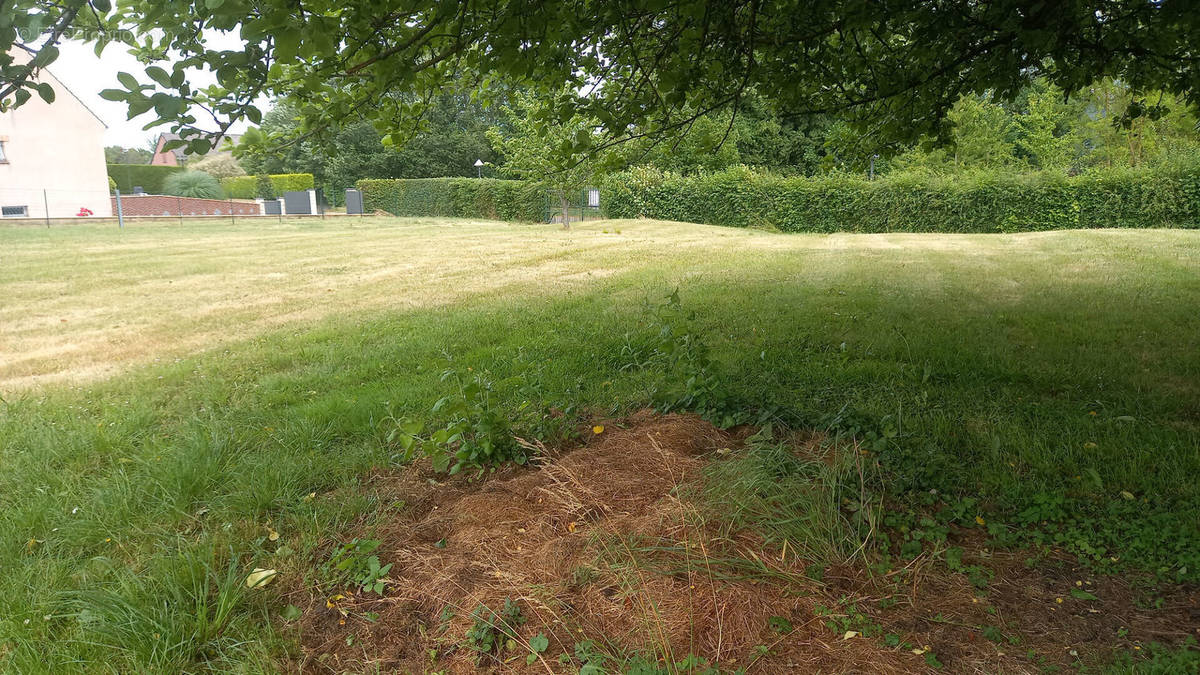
x=479, y=168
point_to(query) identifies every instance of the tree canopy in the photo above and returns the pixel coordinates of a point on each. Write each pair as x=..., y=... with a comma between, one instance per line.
x=893, y=69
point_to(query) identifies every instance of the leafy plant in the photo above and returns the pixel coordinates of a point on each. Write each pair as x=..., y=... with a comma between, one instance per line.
x=475, y=433
x=353, y=561
x=690, y=379
x=492, y=631
x=538, y=644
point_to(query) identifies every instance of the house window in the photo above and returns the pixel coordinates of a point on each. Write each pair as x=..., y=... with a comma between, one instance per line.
x=14, y=211
x=3, y=157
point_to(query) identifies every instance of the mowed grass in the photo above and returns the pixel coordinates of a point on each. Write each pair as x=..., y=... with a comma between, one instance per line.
x=172, y=395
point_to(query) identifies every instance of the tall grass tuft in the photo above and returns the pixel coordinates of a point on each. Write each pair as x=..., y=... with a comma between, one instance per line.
x=184, y=613
x=816, y=501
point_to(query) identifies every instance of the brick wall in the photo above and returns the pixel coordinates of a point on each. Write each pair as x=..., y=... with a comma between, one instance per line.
x=162, y=205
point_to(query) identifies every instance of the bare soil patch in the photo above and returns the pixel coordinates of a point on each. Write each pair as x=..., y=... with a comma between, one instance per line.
x=568, y=540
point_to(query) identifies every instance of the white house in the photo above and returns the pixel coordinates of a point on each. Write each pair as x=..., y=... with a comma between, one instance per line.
x=52, y=157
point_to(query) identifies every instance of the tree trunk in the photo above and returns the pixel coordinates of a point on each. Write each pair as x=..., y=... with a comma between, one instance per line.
x=566, y=209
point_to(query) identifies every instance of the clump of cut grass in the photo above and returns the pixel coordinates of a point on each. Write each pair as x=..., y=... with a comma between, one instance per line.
x=816, y=500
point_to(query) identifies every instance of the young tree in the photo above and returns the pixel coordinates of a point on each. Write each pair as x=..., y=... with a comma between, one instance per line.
x=535, y=150
x=263, y=187
x=983, y=134
x=1048, y=134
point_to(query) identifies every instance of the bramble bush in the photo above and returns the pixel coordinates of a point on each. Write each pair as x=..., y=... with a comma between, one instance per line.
x=490, y=198
x=1166, y=196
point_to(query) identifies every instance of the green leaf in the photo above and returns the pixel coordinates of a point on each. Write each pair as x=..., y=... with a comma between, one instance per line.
x=159, y=75
x=780, y=625
x=539, y=643
x=166, y=106
x=128, y=81
x=287, y=44
x=113, y=94
x=47, y=55
x=291, y=613
x=45, y=91
x=1080, y=594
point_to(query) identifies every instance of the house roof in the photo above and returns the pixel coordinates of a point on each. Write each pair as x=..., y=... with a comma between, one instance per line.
x=163, y=138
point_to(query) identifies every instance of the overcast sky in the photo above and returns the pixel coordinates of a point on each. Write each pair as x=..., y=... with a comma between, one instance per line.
x=86, y=75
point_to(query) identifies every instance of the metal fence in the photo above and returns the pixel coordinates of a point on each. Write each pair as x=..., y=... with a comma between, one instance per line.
x=581, y=205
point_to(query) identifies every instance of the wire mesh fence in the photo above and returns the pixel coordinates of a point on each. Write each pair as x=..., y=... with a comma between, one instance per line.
x=49, y=206
x=578, y=205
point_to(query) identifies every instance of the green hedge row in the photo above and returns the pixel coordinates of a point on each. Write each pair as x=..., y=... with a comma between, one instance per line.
x=1162, y=197
x=490, y=198
x=244, y=187
x=149, y=178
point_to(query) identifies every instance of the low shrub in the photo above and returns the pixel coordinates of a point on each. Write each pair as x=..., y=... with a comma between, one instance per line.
x=986, y=202
x=193, y=184
x=247, y=187
x=492, y=198
x=149, y=178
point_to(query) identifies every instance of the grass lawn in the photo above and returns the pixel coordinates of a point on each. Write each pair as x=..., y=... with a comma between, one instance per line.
x=182, y=404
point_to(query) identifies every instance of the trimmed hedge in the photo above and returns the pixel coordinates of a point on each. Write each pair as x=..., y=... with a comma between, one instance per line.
x=1162, y=197
x=150, y=178
x=244, y=187
x=490, y=198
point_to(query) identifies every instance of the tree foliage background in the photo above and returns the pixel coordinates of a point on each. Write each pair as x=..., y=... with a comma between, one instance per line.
x=890, y=71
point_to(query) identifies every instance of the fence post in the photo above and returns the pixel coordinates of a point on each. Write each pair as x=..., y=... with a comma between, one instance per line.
x=179, y=207
x=120, y=213
x=46, y=205
x=232, y=219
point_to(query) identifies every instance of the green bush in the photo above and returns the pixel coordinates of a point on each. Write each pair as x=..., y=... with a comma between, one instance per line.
x=193, y=184
x=491, y=198
x=149, y=178
x=1166, y=196
x=263, y=187
x=246, y=187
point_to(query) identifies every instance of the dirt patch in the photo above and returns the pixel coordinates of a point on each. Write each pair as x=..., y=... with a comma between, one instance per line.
x=596, y=547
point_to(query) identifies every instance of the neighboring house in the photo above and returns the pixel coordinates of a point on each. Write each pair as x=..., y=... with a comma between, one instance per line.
x=175, y=156
x=52, y=157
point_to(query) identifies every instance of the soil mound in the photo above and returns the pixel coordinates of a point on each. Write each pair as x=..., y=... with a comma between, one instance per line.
x=595, y=546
